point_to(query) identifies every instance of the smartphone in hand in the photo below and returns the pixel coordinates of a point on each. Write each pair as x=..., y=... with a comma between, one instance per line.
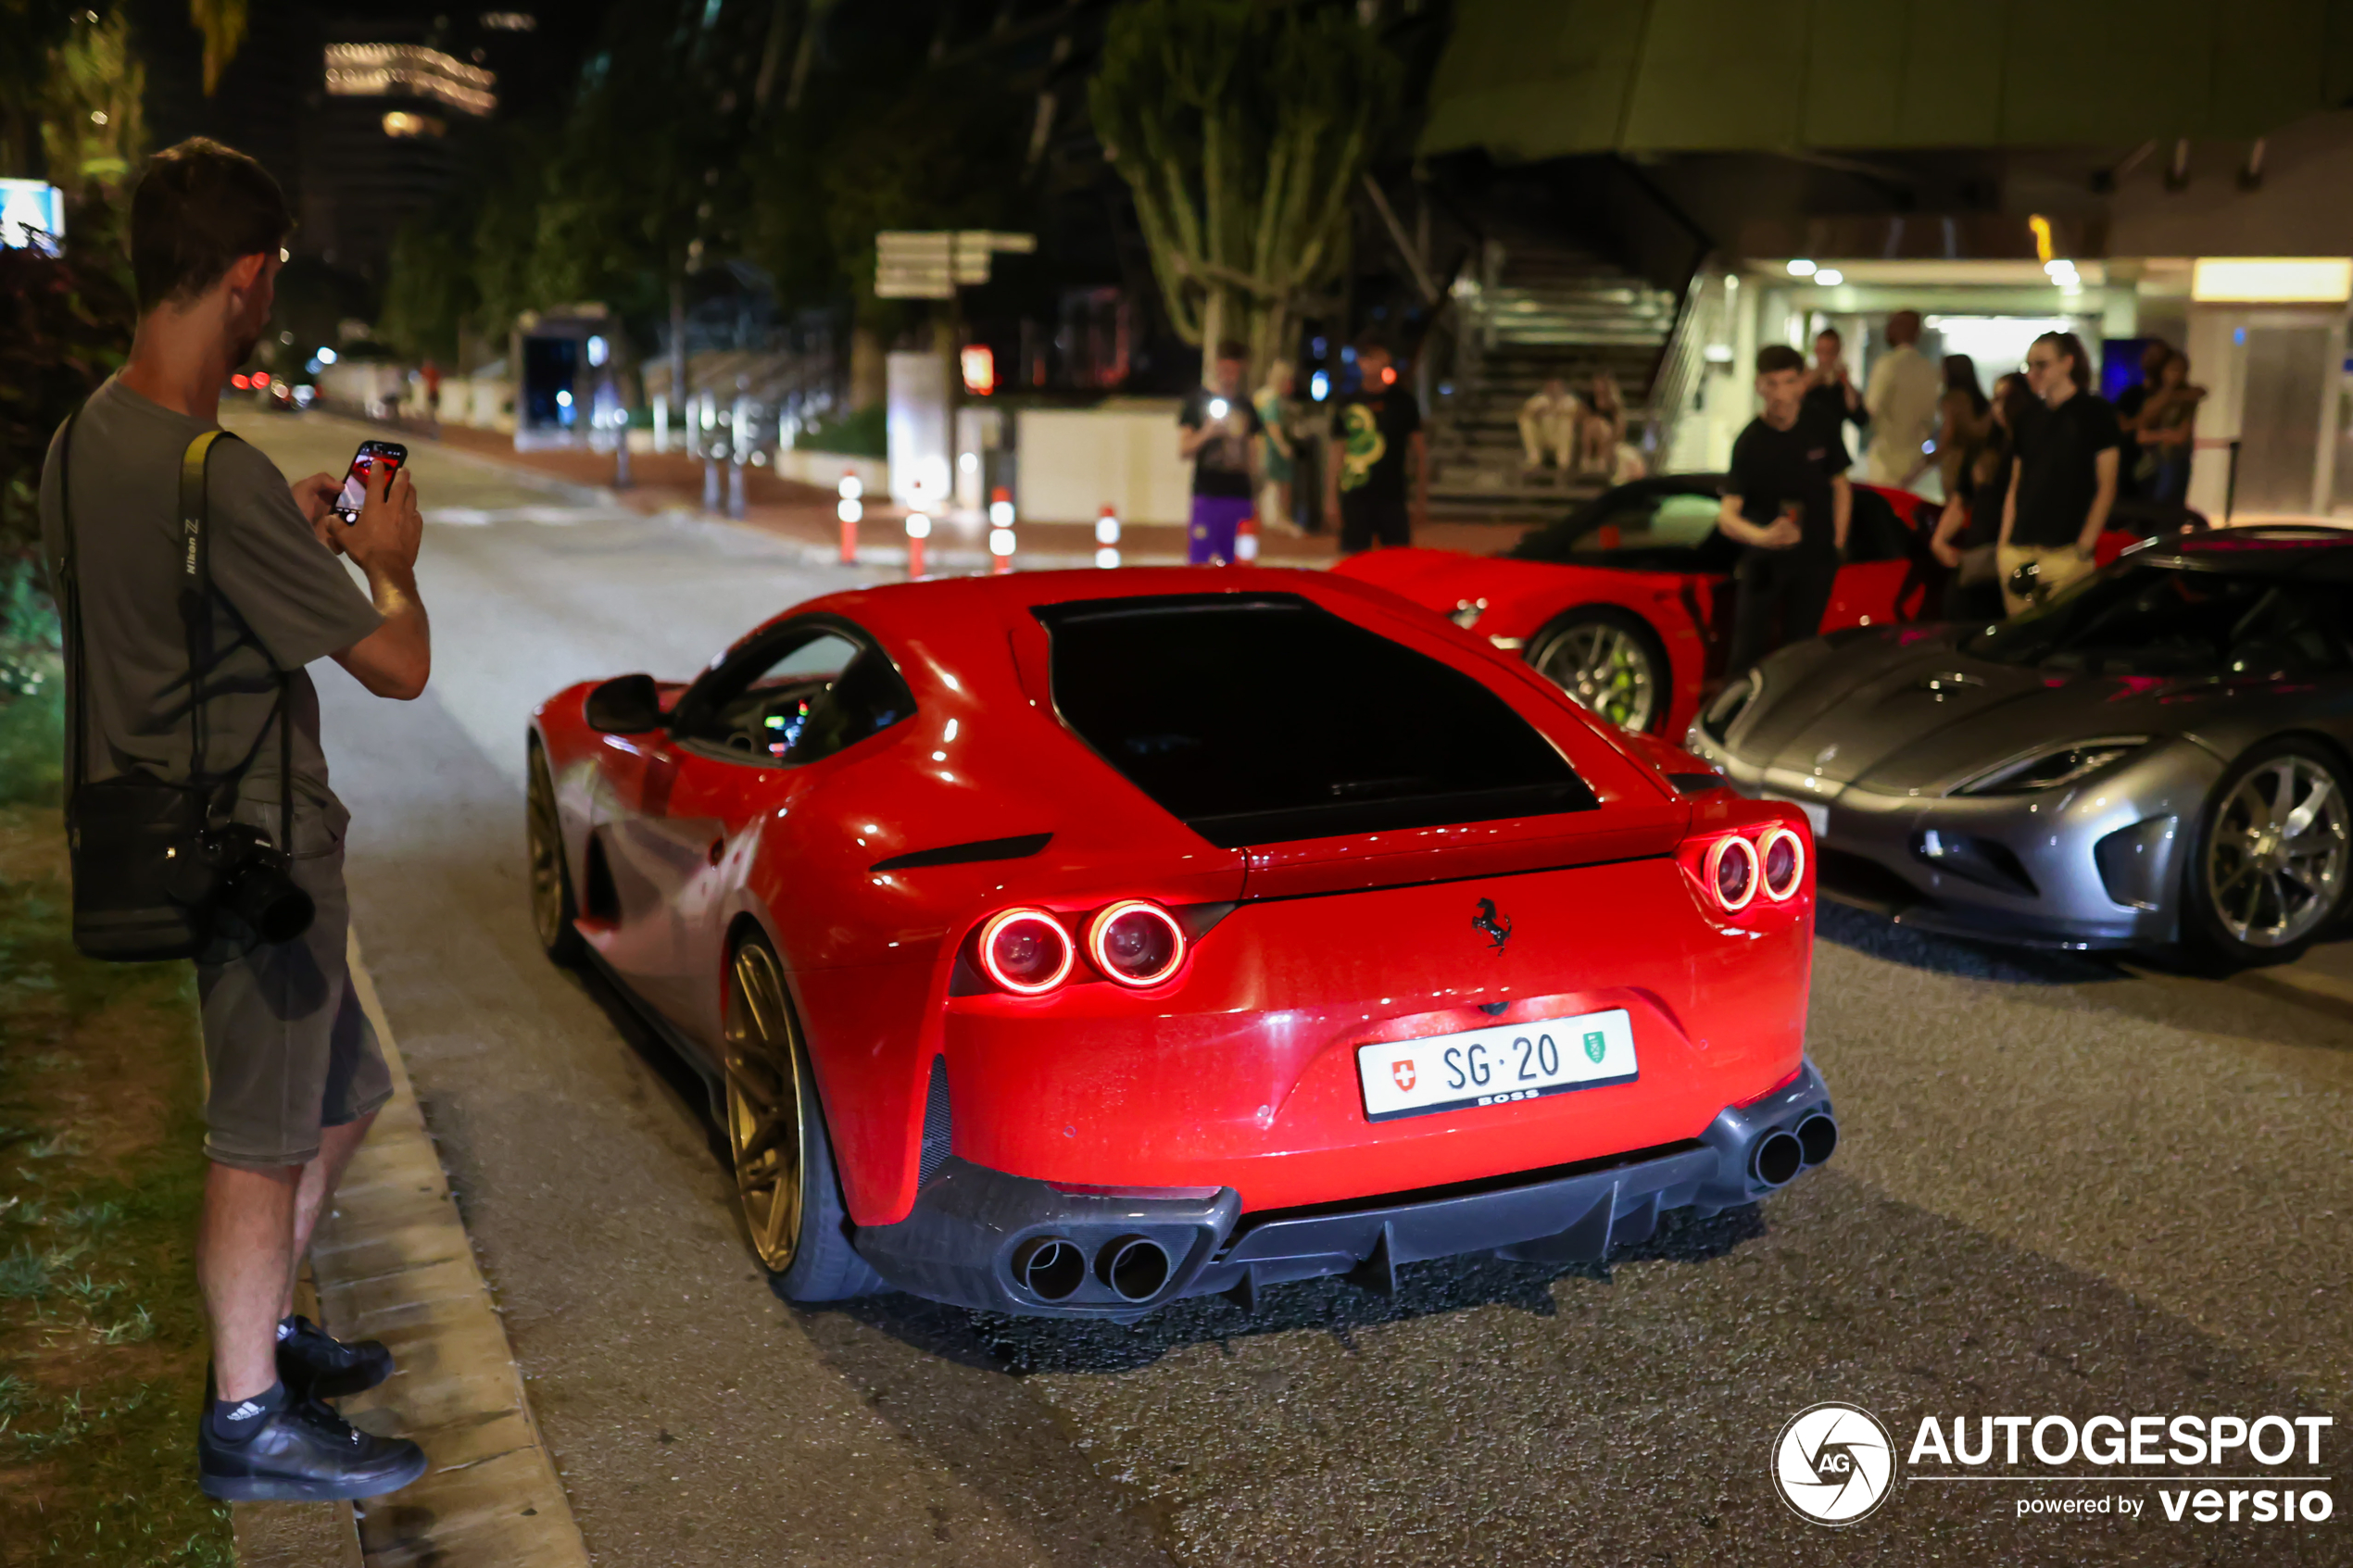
x=372, y=454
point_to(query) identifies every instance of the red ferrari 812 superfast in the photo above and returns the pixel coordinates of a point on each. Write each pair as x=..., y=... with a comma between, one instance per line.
x=1068, y=943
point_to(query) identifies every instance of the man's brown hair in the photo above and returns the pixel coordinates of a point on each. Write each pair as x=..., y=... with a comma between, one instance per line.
x=1232, y=348
x=1775, y=356
x=199, y=208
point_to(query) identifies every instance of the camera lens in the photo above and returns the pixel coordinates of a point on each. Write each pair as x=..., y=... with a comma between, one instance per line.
x=265, y=897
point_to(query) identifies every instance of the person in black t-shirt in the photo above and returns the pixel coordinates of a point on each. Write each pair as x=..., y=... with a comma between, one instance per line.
x=1219, y=433
x=1373, y=432
x=1831, y=395
x=1787, y=499
x=2065, y=480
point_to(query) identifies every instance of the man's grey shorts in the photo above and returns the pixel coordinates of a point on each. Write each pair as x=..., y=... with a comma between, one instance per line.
x=286, y=1049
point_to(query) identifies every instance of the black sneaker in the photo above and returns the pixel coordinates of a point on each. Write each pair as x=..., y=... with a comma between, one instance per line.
x=304, y=1453
x=315, y=1364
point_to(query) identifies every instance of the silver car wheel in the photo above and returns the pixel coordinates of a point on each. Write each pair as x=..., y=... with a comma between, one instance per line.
x=2276, y=859
x=1604, y=670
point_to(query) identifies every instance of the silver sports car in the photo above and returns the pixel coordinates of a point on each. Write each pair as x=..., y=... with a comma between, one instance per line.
x=2159, y=754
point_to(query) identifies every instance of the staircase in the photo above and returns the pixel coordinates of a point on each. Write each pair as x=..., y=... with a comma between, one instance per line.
x=1538, y=308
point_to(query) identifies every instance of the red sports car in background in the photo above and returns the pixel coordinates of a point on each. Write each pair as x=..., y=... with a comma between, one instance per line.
x=1627, y=603
x=1068, y=943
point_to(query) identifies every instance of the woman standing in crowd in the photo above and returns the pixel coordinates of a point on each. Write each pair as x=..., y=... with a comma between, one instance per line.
x=1972, y=524
x=1963, y=421
x=2168, y=433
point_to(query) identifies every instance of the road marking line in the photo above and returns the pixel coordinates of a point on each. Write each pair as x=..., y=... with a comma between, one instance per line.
x=394, y=1263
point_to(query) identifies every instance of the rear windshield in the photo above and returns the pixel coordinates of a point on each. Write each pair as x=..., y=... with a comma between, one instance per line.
x=1263, y=718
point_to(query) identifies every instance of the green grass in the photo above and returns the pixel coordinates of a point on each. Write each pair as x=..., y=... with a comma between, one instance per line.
x=102, y=1344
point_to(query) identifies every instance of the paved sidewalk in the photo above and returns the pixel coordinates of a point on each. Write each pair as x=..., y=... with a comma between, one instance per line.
x=393, y=1262
x=671, y=482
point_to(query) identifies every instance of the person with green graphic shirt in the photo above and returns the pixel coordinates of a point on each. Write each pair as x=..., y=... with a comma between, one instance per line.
x=1374, y=431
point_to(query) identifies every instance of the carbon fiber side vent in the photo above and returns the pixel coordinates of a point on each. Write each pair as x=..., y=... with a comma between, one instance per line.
x=936, y=1130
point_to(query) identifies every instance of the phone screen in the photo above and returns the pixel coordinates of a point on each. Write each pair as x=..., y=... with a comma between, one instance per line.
x=388, y=455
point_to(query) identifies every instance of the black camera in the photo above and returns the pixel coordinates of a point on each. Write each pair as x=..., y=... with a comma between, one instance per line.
x=234, y=869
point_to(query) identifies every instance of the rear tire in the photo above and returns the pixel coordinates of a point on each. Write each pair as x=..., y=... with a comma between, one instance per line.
x=553, y=909
x=1610, y=662
x=2273, y=857
x=782, y=1161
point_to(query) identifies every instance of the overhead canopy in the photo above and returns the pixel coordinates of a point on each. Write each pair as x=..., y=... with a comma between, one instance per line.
x=1539, y=79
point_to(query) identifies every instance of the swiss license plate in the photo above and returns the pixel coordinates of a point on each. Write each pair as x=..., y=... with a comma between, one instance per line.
x=1512, y=1062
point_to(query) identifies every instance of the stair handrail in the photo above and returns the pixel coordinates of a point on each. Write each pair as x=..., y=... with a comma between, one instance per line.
x=1681, y=360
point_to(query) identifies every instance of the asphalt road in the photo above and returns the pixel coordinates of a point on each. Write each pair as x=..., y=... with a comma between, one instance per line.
x=2065, y=1189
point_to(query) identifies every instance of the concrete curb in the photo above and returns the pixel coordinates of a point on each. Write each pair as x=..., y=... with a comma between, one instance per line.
x=394, y=1263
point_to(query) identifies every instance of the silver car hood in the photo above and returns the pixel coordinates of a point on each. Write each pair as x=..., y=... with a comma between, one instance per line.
x=1904, y=711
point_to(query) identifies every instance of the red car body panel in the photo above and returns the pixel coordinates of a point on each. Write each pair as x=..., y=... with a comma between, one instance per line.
x=1240, y=1071
x=1691, y=612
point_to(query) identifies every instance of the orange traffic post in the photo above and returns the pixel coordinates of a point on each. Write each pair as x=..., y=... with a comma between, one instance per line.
x=1107, y=538
x=849, y=511
x=1000, y=529
x=918, y=530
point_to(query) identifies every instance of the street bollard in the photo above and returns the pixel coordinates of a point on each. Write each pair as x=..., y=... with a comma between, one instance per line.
x=1107, y=538
x=621, y=450
x=1000, y=529
x=738, y=453
x=918, y=530
x=849, y=511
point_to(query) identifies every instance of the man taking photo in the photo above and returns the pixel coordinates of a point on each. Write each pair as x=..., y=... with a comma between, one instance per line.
x=1787, y=499
x=295, y=1073
x=2065, y=480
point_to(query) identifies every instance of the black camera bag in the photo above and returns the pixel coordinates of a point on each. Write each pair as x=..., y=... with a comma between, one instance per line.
x=121, y=832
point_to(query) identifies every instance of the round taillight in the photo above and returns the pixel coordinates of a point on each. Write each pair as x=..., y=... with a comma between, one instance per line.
x=1783, y=863
x=1731, y=871
x=1026, y=951
x=1136, y=943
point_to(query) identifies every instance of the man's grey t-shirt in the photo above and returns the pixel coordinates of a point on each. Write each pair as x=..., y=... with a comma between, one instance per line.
x=278, y=594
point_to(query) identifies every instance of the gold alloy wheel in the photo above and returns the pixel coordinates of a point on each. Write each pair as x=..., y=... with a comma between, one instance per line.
x=764, y=1104
x=548, y=913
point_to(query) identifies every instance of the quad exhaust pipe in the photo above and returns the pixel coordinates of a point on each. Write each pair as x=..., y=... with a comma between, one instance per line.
x=1052, y=1266
x=1133, y=1266
x=1779, y=1157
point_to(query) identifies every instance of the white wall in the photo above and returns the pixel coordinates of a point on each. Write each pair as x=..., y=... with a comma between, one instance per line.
x=1077, y=461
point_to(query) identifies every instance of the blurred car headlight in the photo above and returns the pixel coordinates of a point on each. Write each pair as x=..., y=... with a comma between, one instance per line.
x=1467, y=612
x=2053, y=767
x=1716, y=719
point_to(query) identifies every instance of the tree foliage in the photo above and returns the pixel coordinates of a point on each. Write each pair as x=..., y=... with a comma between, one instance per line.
x=1242, y=129
x=64, y=326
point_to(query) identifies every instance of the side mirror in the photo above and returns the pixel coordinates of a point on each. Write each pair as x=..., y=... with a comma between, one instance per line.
x=626, y=705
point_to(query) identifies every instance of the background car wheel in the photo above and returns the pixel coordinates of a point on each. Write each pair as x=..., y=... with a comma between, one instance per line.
x=784, y=1162
x=552, y=907
x=2273, y=849
x=1609, y=661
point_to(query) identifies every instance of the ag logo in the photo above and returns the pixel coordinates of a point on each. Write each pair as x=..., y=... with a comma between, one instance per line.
x=1402, y=1072
x=1596, y=1048
x=1834, y=1463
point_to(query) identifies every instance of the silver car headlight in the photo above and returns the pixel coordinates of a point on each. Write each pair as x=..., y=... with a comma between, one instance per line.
x=1467, y=612
x=1716, y=719
x=2053, y=766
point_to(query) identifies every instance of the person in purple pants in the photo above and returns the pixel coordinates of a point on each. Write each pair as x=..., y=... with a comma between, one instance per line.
x=1218, y=431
